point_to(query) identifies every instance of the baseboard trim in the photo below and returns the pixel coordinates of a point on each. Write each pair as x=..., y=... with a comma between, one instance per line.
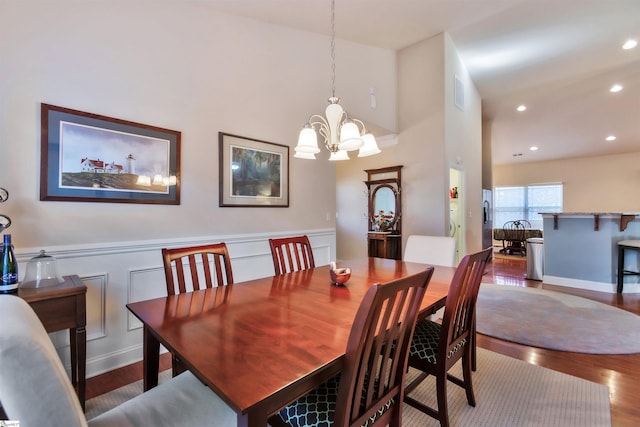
x=114, y=360
x=589, y=285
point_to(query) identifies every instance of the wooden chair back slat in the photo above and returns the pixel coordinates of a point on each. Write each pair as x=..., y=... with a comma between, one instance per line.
x=197, y=257
x=291, y=254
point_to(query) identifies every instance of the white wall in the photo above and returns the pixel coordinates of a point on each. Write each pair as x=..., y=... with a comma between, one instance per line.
x=181, y=66
x=419, y=147
x=464, y=145
x=433, y=135
x=591, y=184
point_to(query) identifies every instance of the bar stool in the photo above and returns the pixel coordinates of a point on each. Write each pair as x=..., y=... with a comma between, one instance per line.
x=622, y=246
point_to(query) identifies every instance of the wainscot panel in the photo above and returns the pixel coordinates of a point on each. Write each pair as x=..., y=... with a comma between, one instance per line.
x=120, y=272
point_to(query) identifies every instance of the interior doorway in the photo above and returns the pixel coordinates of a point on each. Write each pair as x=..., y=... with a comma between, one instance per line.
x=456, y=210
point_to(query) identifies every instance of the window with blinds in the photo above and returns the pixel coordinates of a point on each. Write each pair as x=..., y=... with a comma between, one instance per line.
x=526, y=202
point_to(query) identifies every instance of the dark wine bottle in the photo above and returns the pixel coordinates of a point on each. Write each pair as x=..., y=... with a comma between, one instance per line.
x=8, y=268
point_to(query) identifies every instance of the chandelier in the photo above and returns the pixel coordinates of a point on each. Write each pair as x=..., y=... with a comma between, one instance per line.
x=341, y=133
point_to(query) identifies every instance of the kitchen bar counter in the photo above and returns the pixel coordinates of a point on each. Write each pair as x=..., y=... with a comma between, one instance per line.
x=580, y=249
x=623, y=218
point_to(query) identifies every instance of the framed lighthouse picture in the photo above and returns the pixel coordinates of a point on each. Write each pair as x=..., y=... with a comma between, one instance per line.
x=87, y=157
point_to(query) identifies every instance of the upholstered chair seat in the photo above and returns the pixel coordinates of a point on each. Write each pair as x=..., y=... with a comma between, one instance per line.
x=319, y=406
x=35, y=388
x=425, y=342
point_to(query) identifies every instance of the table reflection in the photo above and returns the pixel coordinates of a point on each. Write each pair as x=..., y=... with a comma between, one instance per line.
x=192, y=304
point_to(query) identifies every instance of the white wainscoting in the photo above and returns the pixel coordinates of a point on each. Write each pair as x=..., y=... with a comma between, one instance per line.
x=117, y=273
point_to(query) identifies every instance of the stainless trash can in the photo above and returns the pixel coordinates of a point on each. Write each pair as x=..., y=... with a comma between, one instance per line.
x=535, y=258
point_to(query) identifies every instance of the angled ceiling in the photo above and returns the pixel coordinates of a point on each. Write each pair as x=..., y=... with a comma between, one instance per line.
x=558, y=57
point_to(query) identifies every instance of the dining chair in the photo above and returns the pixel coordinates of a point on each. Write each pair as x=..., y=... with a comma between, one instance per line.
x=209, y=266
x=437, y=347
x=202, y=261
x=434, y=250
x=35, y=388
x=369, y=390
x=515, y=233
x=291, y=254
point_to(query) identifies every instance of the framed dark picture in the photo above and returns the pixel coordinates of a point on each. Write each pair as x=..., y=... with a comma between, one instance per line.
x=87, y=157
x=253, y=172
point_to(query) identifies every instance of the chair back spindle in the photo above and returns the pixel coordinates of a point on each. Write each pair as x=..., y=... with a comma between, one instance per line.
x=206, y=266
x=291, y=254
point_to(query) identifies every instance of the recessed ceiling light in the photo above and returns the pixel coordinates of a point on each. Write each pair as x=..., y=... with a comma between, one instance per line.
x=521, y=108
x=533, y=148
x=630, y=44
x=615, y=88
x=611, y=138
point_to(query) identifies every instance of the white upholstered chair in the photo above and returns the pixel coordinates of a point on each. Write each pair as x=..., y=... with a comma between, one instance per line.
x=434, y=250
x=35, y=388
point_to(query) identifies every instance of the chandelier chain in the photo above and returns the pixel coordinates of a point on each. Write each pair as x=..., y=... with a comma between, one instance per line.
x=333, y=48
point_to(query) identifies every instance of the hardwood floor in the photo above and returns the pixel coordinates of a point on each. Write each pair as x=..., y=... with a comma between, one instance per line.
x=621, y=373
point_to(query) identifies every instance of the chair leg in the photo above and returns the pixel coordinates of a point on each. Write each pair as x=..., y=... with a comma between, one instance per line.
x=415, y=403
x=396, y=417
x=620, y=269
x=441, y=393
x=474, y=361
x=466, y=375
x=276, y=421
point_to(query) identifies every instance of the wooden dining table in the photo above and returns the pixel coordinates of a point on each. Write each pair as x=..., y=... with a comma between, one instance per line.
x=263, y=343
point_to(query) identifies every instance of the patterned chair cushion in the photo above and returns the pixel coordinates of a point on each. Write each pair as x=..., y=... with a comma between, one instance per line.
x=317, y=408
x=425, y=342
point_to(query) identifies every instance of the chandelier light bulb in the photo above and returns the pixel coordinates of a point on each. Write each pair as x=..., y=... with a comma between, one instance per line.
x=308, y=141
x=339, y=155
x=350, y=136
x=370, y=146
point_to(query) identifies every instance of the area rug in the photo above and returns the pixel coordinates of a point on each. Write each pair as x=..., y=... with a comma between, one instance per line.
x=509, y=393
x=104, y=402
x=557, y=321
x=513, y=393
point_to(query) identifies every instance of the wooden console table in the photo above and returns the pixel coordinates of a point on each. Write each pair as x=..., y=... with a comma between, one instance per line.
x=385, y=245
x=63, y=306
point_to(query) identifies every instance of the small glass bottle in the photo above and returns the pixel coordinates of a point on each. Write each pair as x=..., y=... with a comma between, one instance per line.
x=8, y=268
